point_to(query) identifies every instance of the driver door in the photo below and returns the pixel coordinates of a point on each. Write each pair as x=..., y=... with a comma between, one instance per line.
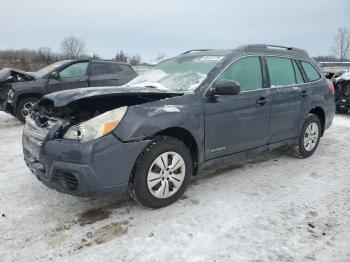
x=72, y=76
x=235, y=123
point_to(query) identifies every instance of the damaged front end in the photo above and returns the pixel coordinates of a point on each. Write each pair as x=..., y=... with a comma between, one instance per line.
x=9, y=76
x=69, y=143
x=342, y=93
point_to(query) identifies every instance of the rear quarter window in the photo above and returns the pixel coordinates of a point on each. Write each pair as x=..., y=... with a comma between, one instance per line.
x=310, y=71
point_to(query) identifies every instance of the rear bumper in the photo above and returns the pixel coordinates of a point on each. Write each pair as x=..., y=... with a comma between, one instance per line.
x=82, y=169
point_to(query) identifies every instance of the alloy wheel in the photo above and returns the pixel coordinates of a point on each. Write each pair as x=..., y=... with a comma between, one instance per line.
x=311, y=136
x=166, y=175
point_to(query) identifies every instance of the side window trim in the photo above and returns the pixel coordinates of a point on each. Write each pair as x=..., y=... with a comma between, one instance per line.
x=298, y=62
x=298, y=67
x=265, y=72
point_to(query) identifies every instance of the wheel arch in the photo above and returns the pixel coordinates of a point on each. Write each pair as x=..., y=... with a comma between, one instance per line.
x=187, y=138
x=320, y=113
x=25, y=95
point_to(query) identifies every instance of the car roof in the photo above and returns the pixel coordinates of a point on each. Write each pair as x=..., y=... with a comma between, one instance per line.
x=97, y=61
x=251, y=49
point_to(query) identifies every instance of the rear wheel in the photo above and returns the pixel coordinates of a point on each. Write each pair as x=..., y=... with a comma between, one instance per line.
x=24, y=107
x=309, y=137
x=161, y=173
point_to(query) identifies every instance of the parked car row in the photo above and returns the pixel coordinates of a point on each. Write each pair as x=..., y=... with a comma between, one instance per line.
x=202, y=109
x=19, y=90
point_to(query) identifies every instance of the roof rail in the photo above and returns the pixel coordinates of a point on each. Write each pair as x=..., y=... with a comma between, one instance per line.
x=195, y=50
x=262, y=47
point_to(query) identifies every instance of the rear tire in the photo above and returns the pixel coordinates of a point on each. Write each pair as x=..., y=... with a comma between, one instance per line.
x=309, y=137
x=161, y=173
x=24, y=107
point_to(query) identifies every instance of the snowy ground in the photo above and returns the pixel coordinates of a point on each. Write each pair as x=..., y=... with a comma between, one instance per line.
x=279, y=208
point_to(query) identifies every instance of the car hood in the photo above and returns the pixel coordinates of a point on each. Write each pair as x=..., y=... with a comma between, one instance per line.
x=63, y=98
x=5, y=73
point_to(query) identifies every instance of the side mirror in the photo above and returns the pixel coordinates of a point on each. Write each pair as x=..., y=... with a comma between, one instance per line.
x=54, y=75
x=226, y=87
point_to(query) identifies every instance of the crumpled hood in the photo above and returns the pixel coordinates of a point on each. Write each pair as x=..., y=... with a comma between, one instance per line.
x=63, y=98
x=5, y=73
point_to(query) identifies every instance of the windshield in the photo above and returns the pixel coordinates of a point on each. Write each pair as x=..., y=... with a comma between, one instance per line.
x=49, y=68
x=178, y=74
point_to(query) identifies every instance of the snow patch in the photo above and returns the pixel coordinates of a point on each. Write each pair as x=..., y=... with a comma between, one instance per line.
x=345, y=76
x=166, y=108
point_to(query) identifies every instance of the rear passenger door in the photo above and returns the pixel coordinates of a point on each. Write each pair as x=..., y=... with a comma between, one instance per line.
x=287, y=97
x=105, y=74
x=235, y=123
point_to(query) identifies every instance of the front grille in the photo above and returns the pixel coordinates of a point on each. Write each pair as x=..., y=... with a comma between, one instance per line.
x=65, y=180
x=35, y=132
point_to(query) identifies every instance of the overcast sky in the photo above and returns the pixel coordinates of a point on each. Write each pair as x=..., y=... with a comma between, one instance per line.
x=153, y=26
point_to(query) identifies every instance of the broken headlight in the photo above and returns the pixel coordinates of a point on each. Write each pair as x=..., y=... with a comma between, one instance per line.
x=96, y=127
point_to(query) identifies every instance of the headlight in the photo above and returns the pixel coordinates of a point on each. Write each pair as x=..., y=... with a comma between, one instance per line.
x=96, y=127
x=10, y=96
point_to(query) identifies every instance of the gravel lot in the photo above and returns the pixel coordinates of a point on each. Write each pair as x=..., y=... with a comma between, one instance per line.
x=276, y=208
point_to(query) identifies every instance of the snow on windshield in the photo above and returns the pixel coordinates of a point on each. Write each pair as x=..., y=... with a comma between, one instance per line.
x=181, y=73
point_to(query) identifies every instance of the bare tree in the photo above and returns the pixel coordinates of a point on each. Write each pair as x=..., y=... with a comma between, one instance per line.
x=121, y=57
x=135, y=60
x=73, y=47
x=342, y=43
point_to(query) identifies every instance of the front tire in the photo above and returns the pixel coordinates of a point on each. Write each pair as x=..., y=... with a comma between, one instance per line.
x=161, y=173
x=309, y=137
x=24, y=107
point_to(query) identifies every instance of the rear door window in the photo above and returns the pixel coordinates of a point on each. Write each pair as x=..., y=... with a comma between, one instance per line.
x=246, y=71
x=100, y=69
x=310, y=71
x=281, y=71
x=115, y=68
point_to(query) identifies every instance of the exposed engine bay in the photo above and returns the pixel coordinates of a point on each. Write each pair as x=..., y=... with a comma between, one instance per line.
x=84, y=109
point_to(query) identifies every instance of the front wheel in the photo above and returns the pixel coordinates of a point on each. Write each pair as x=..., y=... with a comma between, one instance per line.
x=309, y=137
x=24, y=107
x=161, y=173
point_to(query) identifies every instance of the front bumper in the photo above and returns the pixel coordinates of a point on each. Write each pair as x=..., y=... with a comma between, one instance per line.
x=82, y=169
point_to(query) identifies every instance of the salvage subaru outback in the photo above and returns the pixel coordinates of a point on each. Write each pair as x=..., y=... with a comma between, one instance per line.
x=199, y=110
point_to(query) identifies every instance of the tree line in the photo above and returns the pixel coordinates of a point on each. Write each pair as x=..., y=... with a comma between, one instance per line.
x=73, y=48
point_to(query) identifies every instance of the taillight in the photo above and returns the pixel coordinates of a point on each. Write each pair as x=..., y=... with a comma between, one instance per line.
x=330, y=86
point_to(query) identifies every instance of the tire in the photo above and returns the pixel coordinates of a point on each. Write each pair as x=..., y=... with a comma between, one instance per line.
x=304, y=149
x=150, y=187
x=25, y=105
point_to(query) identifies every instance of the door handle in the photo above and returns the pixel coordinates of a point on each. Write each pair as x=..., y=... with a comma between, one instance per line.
x=115, y=79
x=262, y=101
x=304, y=93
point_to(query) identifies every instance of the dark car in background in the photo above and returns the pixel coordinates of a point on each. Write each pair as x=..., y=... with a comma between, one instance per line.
x=199, y=110
x=20, y=90
x=342, y=92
